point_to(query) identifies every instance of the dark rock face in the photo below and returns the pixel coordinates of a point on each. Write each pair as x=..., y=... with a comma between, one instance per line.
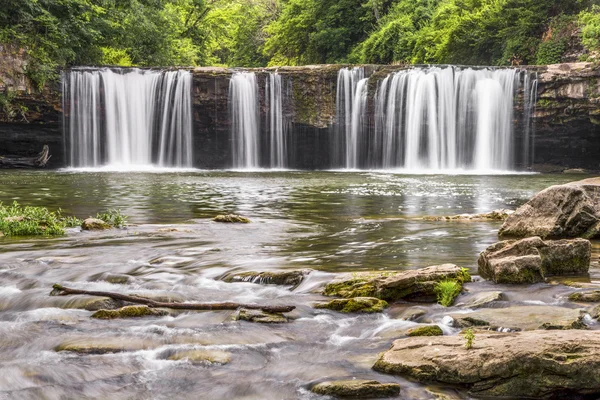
x=534, y=364
x=567, y=116
x=561, y=211
x=530, y=260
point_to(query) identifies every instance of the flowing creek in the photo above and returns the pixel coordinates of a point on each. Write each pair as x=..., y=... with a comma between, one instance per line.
x=327, y=221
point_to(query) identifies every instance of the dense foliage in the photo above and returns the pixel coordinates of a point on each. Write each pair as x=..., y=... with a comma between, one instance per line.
x=56, y=33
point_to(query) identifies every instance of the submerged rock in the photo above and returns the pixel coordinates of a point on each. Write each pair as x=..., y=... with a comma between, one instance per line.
x=525, y=364
x=586, y=297
x=202, y=356
x=103, y=345
x=136, y=311
x=284, y=278
x=103, y=303
x=496, y=215
x=530, y=260
x=231, y=218
x=521, y=318
x=561, y=211
x=355, y=305
x=430, y=330
x=94, y=224
x=260, y=316
x=419, y=283
x=413, y=313
x=357, y=388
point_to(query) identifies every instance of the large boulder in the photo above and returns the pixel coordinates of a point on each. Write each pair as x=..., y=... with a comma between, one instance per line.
x=418, y=283
x=561, y=211
x=536, y=364
x=530, y=260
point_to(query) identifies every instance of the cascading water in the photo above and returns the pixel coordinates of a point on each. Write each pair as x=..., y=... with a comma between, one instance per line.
x=128, y=118
x=275, y=121
x=351, y=103
x=245, y=121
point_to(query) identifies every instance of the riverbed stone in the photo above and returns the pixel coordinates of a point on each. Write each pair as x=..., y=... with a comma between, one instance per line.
x=135, y=311
x=231, y=219
x=202, y=356
x=524, y=364
x=586, y=297
x=412, y=284
x=560, y=211
x=94, y=224
x=530, y=260
x=103, y=303
x=103, y=345
x=496, y=215
x=357, y=388
x=355, y=305
x=284, y=278
x=522, y=318
x=482, y=299
x=429, y=330
x=260, y=316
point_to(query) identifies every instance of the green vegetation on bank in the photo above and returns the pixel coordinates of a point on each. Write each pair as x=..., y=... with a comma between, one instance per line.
x=253, y=33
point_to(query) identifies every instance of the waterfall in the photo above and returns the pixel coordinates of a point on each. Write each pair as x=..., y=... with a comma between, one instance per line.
x=128, y=118
x=351, y=101
x=276, y=127
x=447, y=119
x=243, y=99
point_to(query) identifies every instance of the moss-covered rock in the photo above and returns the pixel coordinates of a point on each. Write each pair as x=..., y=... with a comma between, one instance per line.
x=355, y=305
x=586, y=297
x=202, y=356
x=260, y=316
x=103, y=303
x=94, y=224
x=103, y=345
x=419, y=283
x=357, y=388
x=430, y=330
x=136, y=311
x=231, y=219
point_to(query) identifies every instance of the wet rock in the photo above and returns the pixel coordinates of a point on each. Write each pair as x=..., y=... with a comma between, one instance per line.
x=284, y=278
x=260, y=316
x=482, y=299
x=430, y=330
x=413, y=313
x=524, y=364
x=522, y=318
x=530, y=260
x=561, y=211
x=411, y=284
x=586, y=297
x=496, y=215
x=103, y=303
x=136, y=311
x=595, y=312
x=357, y=388
x=575, y=171
x=94, y=224
x=231, y=218
x=355, y=305
x=103, y=346
x=202, y=356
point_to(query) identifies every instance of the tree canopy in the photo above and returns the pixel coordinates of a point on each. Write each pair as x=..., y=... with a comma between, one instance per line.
x=254, y=33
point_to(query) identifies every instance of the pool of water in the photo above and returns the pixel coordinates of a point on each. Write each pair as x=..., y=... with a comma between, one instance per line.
x=330, y=222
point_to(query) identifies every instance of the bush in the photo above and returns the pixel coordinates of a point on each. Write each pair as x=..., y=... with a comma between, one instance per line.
x=16, y=220
x=113, y=217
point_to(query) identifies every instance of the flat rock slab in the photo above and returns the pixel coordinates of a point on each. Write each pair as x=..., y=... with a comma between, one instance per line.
x=526, y=317
x=535, y=364
x=357, y=389
x=481, y=299
x=284, y=278
x=561, y=211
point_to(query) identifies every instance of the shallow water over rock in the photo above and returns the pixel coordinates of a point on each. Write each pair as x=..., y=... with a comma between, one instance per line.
x=329, y=222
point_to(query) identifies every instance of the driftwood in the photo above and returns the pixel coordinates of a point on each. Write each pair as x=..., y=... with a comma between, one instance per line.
x=59, y=290
x=38, y=161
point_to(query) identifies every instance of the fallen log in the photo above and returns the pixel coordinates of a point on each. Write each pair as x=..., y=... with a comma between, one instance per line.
x=59, y=290
x=38, y=161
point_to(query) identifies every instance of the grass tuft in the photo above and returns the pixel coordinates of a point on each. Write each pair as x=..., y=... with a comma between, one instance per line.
x=447, y=291
x=113, y=218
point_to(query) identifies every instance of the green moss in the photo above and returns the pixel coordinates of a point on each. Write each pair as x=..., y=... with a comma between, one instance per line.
x=351, y=288
x=430, y=330
x=447, y=291
x=128, y=312
x=231, y=219
x=355, y=305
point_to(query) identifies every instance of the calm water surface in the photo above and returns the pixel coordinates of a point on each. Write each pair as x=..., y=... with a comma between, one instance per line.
x=328, y=221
